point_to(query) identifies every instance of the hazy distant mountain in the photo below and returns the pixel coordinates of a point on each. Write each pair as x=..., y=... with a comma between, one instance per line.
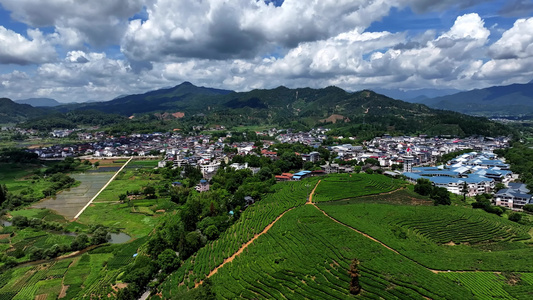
x=416, y=96
x=510, y=100
x=39, y=102
x=11, y=112
x=185, y=95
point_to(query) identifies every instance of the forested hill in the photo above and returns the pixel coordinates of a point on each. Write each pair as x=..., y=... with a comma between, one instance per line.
x=11, y=112
x=510, y=100
x=303, y=108
x=183, y=96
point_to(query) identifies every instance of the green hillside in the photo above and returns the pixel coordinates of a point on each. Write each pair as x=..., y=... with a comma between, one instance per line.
x=11, y=112
x=404, y=251
x=510, y=100
x=299, y=109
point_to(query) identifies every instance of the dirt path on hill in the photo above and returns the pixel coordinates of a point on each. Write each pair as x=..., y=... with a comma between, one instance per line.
x=383, y=244
x=244, y=246
x=358, y=231
x=310, y=199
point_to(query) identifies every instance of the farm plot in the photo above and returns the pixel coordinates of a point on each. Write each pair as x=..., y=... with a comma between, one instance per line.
x=345, y=186
x=128, y=180
x=252, y=221
x=306, y=255
x=436, y=236
x=69, y=202
x=88, y=276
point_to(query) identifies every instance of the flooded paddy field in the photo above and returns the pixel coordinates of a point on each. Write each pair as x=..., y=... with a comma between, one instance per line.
x=69, y=202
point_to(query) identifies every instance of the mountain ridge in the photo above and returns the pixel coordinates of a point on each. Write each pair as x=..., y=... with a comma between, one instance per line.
x=508, y=100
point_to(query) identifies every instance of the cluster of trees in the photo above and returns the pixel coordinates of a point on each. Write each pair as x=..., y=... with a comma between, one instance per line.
x=69, y=164
x=73, y=119
x=520, y=157
x=98, y=235
x=440, y=195
x=14, y=155
x=59, y=181
x=448, y=156
x=202, y=217
x=483, y=201
x=23, y=222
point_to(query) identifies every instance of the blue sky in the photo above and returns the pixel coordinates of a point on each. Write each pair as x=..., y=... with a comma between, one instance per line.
x=97, y=50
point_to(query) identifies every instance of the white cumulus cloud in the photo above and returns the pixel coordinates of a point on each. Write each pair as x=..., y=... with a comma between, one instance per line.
x=17, y=49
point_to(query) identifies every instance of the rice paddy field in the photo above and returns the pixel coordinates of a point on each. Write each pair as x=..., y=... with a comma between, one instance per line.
x=69, y=202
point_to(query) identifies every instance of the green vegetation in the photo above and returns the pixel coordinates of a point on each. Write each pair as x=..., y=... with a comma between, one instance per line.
x=307, y=255
x=520, y=156
x=435, y=236
x=440, y=195
x=26, y=180
x=485, y=285
x=344, y=186
x=82, y=277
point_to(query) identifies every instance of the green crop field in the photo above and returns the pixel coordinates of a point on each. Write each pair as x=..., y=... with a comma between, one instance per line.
x=128, y=180
x=486, y=285
x=88, y=276
x=307, y=255
x=143, y=164
x=346, y=186
x=120, y=216
x=436, y=236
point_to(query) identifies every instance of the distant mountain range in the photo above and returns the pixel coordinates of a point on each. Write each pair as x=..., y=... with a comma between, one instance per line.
x=295, y=108
x=511, y=100
x=39, y=102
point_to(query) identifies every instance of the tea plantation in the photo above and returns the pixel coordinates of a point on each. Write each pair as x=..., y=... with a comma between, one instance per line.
x=435, y=251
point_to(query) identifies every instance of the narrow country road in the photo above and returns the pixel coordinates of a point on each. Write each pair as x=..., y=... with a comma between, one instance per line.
x=101, y=190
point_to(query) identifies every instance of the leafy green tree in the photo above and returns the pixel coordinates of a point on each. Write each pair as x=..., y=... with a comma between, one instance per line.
x=528, y=207
x=211, y=232
x=464, y=190
x=149, y=192
x=20, y=221
x=515, y=217
x=423, y=187
x=122, y=197
x=499, y=186
x=179, y=194
x=168, y=261
x=441, y=196
x=80, y=242
x=99, y=236
x=3, y=194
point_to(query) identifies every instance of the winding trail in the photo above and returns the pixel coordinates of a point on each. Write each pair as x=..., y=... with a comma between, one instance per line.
x=310, y=202
x=244, y=246
x=101, y=190
x=383, y=244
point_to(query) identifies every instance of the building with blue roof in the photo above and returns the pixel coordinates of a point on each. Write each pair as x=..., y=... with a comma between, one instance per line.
x=514, y=197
